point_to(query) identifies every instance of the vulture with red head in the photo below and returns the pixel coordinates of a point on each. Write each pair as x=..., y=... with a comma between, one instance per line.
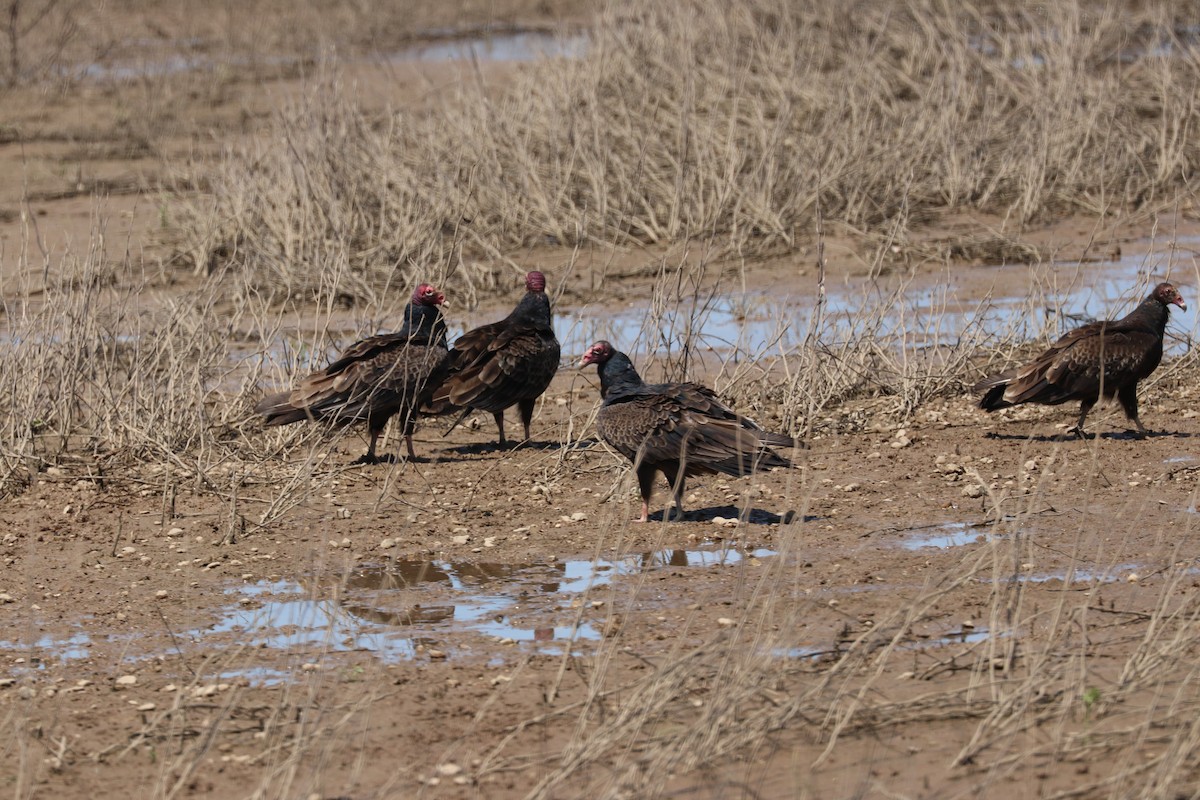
x=374, y=379
x=505, y=363
x=1106, y=358
x=678, y=429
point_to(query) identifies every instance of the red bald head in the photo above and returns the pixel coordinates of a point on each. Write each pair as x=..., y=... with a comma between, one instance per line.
x=597, y=354
x=535, y=281
x=1167, y=294
x=427, y=295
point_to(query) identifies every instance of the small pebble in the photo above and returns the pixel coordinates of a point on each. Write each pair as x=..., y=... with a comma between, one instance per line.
x=127, y=680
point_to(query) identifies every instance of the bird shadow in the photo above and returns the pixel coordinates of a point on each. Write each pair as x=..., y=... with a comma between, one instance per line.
x=1071, y=437
x=757, y=516
x=483, y=448
x=371, y=461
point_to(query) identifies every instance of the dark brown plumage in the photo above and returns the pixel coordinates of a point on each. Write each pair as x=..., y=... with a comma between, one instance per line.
x=505, y=363
x=678, y=429
x=374, y=379
x=1107, y=357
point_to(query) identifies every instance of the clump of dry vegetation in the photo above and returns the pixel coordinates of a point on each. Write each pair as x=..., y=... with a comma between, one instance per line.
x=1090, y=678
x=747, y=126
x=733, y=123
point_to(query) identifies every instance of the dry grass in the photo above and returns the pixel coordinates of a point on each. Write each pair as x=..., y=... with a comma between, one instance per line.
x=727, y=131
x=154, y=392
x=1082, y=681
x=732, y=125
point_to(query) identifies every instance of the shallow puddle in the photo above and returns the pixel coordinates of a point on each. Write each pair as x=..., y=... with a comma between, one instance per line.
x=944, y=536
x=47, y=649
x=962, y=636
x=930, y=311
x=936, y=310
x=511, y=47
x=401, y=609
x=1111, y=574
x=441, y=47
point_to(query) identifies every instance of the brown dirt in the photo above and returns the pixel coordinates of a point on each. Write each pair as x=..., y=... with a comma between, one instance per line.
x=91, y=556
x=136, y=574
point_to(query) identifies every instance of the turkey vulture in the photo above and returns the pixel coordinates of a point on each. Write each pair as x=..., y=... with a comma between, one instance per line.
x=509, y=362
x=679, y=429
x=374, y=379
x=1108, y=356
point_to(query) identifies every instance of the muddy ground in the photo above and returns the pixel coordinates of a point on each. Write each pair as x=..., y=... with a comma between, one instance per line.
x=415, y=615
x=470, y=624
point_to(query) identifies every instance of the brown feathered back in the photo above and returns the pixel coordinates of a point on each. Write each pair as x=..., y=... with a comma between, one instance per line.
x=1106, y=358
x=374, y=379
x=679, y=429
x=505, y=363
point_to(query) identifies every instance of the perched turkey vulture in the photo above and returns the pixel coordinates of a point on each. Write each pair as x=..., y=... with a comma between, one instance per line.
x=374, y=379
x=505, y=363
x=679, y=429
x=1108, y=356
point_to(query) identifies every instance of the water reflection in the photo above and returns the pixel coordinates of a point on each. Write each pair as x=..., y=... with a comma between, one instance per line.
x=401, y=608
x=944, y=536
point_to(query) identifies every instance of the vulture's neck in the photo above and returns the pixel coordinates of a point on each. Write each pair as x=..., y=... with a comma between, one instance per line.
x=618, y=376
x=1150, y=314
x=534, y=309
x=423, y=325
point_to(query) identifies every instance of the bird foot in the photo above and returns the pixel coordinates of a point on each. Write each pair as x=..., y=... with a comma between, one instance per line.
x=674, y=514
